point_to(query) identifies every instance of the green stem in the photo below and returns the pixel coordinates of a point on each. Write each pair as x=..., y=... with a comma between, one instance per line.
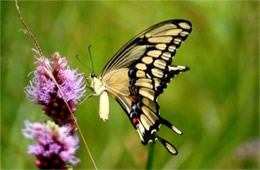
x=150, y=156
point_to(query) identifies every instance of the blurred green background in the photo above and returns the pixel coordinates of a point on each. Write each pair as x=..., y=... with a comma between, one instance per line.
x=215, y=104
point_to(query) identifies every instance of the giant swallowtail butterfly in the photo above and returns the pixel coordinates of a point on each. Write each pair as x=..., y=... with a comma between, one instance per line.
x=138, y=73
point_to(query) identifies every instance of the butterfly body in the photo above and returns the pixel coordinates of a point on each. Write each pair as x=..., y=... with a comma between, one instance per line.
x=139, y=73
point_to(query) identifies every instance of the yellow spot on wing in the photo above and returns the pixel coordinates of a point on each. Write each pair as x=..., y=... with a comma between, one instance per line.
x=157, y=72
x=161, y=46
x=172, y=48
x=141, y=66
x=149, y=104
x=141, y=129
x=144, y=83
x=166, y=55
x=184, y=25
x=160, y=64
x=173, y=32
x=140, y=133
x=165, y=39
x=147, y=124
x=174, y=68
x=184, y=33
x=147, y=35
x=147, y=93
x=157, y=82
x=147, y=60
x=177, y=40
x=140, y=73
x=154, y=53
x=148, y=113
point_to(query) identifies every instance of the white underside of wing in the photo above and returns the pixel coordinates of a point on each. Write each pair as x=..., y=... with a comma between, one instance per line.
x=116, y=83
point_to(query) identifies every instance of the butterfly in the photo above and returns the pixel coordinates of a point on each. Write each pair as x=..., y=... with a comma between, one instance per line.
x=138, y=73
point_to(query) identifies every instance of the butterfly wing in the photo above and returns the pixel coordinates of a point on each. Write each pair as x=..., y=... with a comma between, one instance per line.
x=141, y=70
x=167, y=35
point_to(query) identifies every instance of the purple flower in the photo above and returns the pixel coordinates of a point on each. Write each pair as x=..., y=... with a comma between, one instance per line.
x=55, y=146
x=43, y=90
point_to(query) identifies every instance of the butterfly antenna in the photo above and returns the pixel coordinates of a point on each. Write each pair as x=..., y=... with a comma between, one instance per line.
x=89, y=51
x=77, y=57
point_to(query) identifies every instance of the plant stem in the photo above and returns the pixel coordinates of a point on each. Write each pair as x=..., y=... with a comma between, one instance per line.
x=150, y=156
x=80, y=132
x=48, y=70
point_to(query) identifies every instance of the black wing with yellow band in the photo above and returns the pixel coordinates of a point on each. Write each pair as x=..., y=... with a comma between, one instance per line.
x=148, y=59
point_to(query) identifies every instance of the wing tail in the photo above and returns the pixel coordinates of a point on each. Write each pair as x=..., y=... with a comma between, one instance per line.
x=171, y=126
x=168, y=146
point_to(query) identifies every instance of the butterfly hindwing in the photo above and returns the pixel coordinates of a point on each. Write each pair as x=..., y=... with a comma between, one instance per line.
x=146, y=61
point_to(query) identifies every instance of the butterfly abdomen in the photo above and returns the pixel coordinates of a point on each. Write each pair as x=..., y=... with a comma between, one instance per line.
x=104, y=106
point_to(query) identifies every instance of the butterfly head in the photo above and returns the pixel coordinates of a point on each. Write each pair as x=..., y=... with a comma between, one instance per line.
x=96, y=84
x=92, y=75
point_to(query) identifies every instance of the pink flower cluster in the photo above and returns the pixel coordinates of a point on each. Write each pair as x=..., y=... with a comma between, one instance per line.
x=55, y=146
x=58, y=88
x=44, y=90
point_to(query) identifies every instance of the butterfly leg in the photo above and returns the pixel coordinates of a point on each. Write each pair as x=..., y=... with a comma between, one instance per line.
x=90, y=95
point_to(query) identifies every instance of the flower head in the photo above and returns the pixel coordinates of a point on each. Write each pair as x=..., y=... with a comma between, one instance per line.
x=54, y=85
x=55, y=146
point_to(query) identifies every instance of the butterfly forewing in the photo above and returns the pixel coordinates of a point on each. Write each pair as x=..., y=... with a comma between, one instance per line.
x=158, y=36
x=143, y=67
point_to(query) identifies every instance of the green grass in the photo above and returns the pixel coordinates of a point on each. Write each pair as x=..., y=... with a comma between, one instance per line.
x=215, y=104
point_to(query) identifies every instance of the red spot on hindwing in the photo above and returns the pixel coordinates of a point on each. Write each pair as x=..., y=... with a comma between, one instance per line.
x=134, y=98
x=135, y=121
x=134, y=95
